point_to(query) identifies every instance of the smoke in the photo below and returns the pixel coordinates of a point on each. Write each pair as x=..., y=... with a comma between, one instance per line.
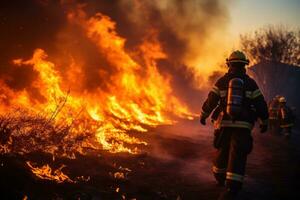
x=25, y=26
x=189, y=147
x=191, y=31
x=185, y=26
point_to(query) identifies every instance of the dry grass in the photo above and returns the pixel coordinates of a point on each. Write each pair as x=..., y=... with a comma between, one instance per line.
x=22, y=131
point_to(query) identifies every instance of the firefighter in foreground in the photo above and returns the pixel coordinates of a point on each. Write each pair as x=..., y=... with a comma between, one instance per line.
x=286, y=118
x=237, y=101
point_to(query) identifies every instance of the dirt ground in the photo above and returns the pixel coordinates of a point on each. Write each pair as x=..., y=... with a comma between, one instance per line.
x=175, y=165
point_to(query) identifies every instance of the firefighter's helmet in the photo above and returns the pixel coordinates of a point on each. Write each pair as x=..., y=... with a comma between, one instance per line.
x=237, y=57
x=282, y=100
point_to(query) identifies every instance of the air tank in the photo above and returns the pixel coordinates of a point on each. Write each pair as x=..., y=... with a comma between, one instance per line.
x=235, y=95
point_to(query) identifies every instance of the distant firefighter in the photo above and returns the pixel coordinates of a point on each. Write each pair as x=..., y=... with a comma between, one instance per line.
x=274, y=108
x=236, y=102
x=286, y=117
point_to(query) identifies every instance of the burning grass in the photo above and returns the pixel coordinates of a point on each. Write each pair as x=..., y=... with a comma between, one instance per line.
x=46, y=117
x=22, y=131
x=111, y=177
x=46, y=172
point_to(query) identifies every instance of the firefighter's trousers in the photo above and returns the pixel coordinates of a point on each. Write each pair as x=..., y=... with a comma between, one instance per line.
x=274, y=126
x=231, y=157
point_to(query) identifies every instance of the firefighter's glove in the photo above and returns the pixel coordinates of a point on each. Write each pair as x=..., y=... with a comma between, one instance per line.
x=202, y=120
x=263, y=128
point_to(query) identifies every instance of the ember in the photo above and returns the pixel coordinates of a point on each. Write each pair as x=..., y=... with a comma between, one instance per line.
x=45, y=172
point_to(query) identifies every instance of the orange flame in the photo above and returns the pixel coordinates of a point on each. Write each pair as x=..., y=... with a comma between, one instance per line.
x=138, y=96
x=45, y=172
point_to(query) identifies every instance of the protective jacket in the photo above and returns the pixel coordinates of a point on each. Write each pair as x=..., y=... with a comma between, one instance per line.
x=233, y=138
x=254, y=104
x=286, y=117
x=274, y=108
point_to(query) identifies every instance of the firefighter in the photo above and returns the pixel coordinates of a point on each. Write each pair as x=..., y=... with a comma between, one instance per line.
x=240, y=102
x=286, y=118
x=274, y=108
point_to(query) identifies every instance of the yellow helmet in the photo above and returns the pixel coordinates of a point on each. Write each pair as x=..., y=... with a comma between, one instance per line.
x=282, y=100
x=237, y=56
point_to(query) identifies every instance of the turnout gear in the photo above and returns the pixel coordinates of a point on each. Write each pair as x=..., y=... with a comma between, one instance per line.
x=274, y=108
x=230, y=161
x=216, y=120
x=253, y=104
x=286, y=117
x=234, y=140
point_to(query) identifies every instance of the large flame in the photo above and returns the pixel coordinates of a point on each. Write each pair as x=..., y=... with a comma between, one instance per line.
x=137, y=96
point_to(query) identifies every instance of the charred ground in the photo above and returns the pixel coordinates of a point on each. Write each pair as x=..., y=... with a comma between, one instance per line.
x=174, y=166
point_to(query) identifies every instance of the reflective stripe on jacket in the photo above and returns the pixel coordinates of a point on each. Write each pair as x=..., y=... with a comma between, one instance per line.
x=234, y=177
x=237, y=124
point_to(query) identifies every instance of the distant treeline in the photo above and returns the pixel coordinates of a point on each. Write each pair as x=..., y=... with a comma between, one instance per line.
x=274, y=52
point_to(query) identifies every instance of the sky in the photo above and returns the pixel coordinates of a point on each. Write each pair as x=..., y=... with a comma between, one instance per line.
x=248, y=15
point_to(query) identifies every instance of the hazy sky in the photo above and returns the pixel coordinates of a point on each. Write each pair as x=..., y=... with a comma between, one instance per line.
x=247, y=15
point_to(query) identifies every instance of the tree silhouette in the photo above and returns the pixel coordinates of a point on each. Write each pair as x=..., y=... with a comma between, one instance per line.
x=274, y=53
x=272, y=44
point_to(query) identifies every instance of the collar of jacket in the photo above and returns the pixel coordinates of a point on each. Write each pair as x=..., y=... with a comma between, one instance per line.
x=237, y=70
